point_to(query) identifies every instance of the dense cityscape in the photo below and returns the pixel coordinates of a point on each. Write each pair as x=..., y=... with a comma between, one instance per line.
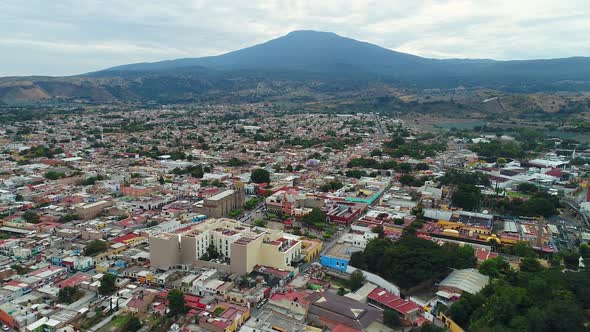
x=237, y=217
x=294, y=166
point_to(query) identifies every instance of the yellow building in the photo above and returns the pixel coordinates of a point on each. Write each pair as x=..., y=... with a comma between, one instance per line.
x=311, y=249
x=102, y=268
x=446, y=224
x=481, y=232
x=449, y=323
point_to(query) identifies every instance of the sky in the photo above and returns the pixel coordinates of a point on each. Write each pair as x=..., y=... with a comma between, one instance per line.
x=68, y=37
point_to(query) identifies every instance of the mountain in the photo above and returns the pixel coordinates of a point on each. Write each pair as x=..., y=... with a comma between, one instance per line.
x=298, y=50
x=308, y=61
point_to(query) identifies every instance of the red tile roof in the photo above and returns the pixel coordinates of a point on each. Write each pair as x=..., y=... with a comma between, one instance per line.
x=393, y=301
x=292, y=296
x=482, y=254
x=74, y=280
x=556, y=172
x=126, y=237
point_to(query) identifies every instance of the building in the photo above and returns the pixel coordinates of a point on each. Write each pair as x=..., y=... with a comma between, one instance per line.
x=330, y=310
x=310, y=249
x=291, y=202
x=293, y=304
x=240, y=246
x=89, y=211
x=466, y=280
x=222, y=204
x=344, y=212
x=337, y=256
x=383, y=299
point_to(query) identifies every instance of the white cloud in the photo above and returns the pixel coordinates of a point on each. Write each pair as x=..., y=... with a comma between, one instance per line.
x=112, y=32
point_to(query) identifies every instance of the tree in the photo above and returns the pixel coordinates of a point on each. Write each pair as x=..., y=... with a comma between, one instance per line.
x=332, y=185
x=161, y=180
x=356, y=281
x=523, y=249
x=53, y=175
x=409, y=261
x=421, y=167
x=391, y=318
x=259, y=223
x=31, y=217
x=460, y=257
x=526, y=187
x=251, y=203
x=69, y=294
x=467, y=197
x=408, y=180
x=316, y=217
x=176, y=302
x=133, y=324
x=235, y=213
x=530, y=264
x=210, y=254
x=432, y=328
x=94, y=247
x=571, y=259
x=260, y=176
x=494, y=267
x=405, y=168
x=546, y=300
x=107, y=284
x=69, y=217
x=379, y=230
x=20, y=270
x=355, y=173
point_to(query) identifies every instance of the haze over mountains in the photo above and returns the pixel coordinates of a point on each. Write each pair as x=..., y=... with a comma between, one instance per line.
x=316, y=60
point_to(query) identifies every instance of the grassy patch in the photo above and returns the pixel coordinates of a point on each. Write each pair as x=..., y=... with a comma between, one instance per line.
x=218, y=311
x=117, y=324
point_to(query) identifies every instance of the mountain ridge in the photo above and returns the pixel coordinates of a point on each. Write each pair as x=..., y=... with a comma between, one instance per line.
x=300, y=59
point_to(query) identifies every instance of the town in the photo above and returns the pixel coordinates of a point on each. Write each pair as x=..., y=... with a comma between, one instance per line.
x=246, y=217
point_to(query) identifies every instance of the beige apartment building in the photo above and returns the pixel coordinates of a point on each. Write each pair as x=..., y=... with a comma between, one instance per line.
x=244, y=246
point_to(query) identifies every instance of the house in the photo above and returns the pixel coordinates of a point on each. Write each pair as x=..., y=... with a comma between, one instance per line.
x=290, y=303
x=383, y=299
x=337, y=256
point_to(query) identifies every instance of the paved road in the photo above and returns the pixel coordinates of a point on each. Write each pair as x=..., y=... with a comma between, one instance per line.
x=256, y=213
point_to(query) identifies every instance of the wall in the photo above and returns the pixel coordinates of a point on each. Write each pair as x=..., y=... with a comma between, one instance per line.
x=207, y=264
x=189, y=249
x=164, y=252
x=450, y=324
x=331, y=262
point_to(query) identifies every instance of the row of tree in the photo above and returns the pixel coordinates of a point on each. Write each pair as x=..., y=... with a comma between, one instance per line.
x=532, y=299
x=411, y=260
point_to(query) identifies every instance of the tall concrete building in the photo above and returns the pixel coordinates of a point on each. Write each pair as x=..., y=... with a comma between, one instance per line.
x=243, y=246
x=222, y=204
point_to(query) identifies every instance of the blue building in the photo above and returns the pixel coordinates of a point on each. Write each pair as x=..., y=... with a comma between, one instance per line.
x=199, y=218
x=335, y=263
x=338, y=256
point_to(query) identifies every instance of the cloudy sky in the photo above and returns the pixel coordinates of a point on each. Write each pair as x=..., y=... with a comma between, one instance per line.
x=64, y=37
